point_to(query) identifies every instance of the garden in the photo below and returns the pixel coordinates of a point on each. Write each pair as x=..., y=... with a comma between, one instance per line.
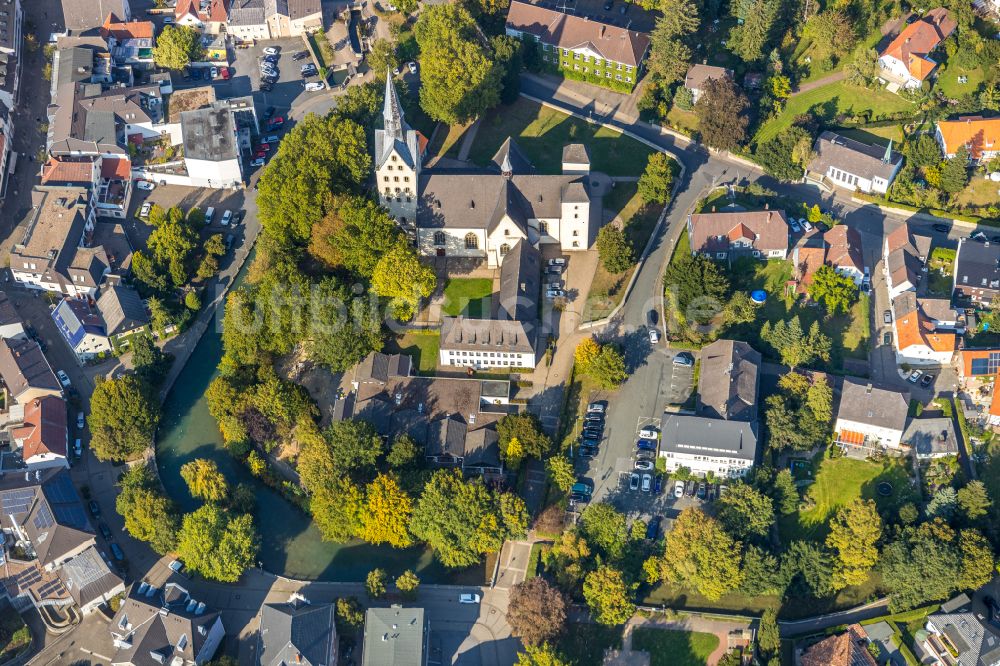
x=675, y=648
x=421, y=346
x=469, y=297
x=15, y=637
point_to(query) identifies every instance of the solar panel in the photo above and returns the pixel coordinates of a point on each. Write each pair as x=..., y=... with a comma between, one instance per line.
x=52, y=588
x=43, y=517
x=17, y=501
x=28, y=577
x=71, y=515
x=980, y=366
x=60, y=489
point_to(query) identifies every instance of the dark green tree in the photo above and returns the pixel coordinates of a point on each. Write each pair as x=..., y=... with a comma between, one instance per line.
x=955, y=172
x=123, y=418
x=614, y=248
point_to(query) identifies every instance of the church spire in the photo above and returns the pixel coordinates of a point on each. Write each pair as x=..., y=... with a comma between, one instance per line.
x=506, y=168
x=887, y=158
x=393, y=112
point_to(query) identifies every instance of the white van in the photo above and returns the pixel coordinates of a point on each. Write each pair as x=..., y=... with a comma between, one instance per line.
x=209, y=214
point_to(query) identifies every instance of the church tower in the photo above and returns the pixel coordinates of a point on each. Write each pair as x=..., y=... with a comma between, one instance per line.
x=397, y=161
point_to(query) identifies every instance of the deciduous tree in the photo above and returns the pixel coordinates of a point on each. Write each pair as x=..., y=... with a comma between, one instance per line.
x=608, y=596
x=561, y=472
x=586, y=351
x=204, y=480
x=721, y=110
x=977, y=560
x=656, y=181
x=701, y=555
x=382, y=57
x=608, y=368
x=745, y=511
x=527, y=429
x=376, y=582
x=123, y=418
x=353, y=445
x=835, y=291
x=387, y=513
x=408, y=583
x=605, y=527
x=614, y=249
x=149, y=515
x=854, y=533
x=536, y=611
x=541, y=655
x=217, y=545
x=177, y=46
x=400, y=277
x=973, y=500
x=354, y=235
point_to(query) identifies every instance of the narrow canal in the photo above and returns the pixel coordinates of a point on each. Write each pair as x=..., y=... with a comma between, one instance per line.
x=290, y=544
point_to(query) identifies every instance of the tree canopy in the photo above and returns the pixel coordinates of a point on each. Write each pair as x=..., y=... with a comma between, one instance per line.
x=123, y=417
x=854, y=534
x=721, y=110
x=149, y=515
x=834, y=290
x=701, y=555
x=536, y=611
x=608, y=596
x=204, y=480
x=217, y=545
x=177, y=46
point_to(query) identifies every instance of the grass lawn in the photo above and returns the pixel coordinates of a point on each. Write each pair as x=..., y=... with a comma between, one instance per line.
x=607, y=289
x=542, y=133
x=683, y=121
x=422, y=346
x=875, y=136
x=584, y=644
x=448, y=141
x=979, y=193
x=839, y=481
x=468, y=296
x=849, y=333
x=947, y=80
x=940, y=271
x=832, y=100
x=675, y=648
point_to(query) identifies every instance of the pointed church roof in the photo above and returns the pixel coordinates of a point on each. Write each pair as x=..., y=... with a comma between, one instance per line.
x=510, y=159
x=396, y=136
x=508, y=205
x=392, y=112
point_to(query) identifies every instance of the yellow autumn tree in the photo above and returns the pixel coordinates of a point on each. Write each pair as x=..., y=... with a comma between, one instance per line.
x=387, y=513
x=514, y=453
x=585, y=353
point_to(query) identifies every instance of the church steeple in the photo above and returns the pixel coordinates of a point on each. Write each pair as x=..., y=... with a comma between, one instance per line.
x=392, y=114
x=887, y=158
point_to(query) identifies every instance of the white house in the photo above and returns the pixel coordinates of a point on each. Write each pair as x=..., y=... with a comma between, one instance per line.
x=980, y=136
x=267, y=19
x=478, y=214
x=853, y=165
x=212, y=153
x=904, y=260
x=870, y=417
x=699, y=75
x=11, y=325
x=919, y=340
x=41, y=433
x=906, y=61
x=82, y=327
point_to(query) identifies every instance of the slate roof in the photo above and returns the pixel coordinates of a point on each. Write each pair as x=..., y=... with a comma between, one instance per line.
x=8, y=314
x=48, y=510
x=82, y=15
x=698, y=75
x=863, y=402
x=977, y=642
x=931, y=436
x=977, y=265
x=298, y=9
x=715, y=232
x=43, y=428
x=155, y=621
x=918, y=39
x=446, y=437
x=381, y=367
x=297, y=633
x=247, y=12
x=23, y=366
x=510, y=152
x=122, y=309
x=520, y=281
x=729, y=380
x=860, y=159
x=844, y=247
x=576, y=153
x=394, y=636
x=699, y=435
x=87, y=577
x=482, y=448
x=570, y=31
x=905, y=252
x=461, y=333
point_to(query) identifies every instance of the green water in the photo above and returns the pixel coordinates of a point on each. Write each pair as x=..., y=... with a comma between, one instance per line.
x=290, y=544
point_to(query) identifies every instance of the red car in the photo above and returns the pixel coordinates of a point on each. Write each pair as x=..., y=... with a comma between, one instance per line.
x=277, y=122
x=264, y=147
x=224, y=72
x=260, y=154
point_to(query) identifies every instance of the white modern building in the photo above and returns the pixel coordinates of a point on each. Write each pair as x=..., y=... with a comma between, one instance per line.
x=870, y=417
x=852, y=165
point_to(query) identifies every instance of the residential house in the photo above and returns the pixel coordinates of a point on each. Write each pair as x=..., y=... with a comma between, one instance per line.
x=725, y=236
x=8, y=157
x=869, y=417
x=980, y=136
x=976, y=277
x=931, y=438
x=395, y=636
x=273, y=19
x=11, y=44
x=918, y=339
x=82, y=327
x=904, y=260
x=108, y=180
x=164, y=626
x=212, y=152
x=450, y=443
x=722, y=435
x=478, y=213
x=963, y=631
x=53, y=254
x=848, y=648
x=993, y=413
x=976, y=364
x=124, y=314
x=11, y=325
x=80, y=16
x=510, y=339
x=297, y=632
x=907, y=60
x=129, y=42
x=85, y=119
x=850, y=164
x=41, y=433
x=604, y=48
x=839, y=248
x=210, y=16
x=50, y=556
x=25, y=371
x=699, y=75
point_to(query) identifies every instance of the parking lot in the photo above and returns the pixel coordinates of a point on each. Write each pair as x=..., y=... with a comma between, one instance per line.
x=288, y=88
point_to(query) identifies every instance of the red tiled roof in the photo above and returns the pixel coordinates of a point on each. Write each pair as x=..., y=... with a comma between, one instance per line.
x=67, y=171
x=121, y=30
x=219, y=11
x=44, y=429
x=116, y=168
x=846, y=649
x=913, y=328
x=995, y=402
x=970, y=355
x=918, y=39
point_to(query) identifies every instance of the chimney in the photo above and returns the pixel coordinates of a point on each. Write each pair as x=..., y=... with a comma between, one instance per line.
x=766, y=206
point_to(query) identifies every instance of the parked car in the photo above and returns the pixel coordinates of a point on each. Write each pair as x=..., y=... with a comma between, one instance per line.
x=299, y=55
x=259, y=162
x=794, y=225
x=679, y=489
x=589, y=441
x=690, y=488
x=78, y=448
x=116, y=550
x=80, y=421
x=654, y=336
x=272, y=139
x=213, y=72
x=105, y=530
x=887, y=338
x=647, y=482
x=271, y=59
x=227, y=215
x=588, y=451
x=584, y=486
x=684, y=359
x=940, y=228
x=554, y=293
x=593, y=433
x=658, y=484
x=579, y=498
x=887, y=316
x=554, y=270
x=701, y=490
x=806, y=224
x=314, y=86
x=645, y=455
x=308, y=67
x=468, y=598
x=95, y=508
x=229, y=241
x=633, y=481
x=412, y=66
x=271, y=50
x=275, y=123
x=596, y=407
x=914, y=376
x=592, y=422
x=648, y=433
x=558, y=261
x=866, y=286
x=260, y=154
x=926, y=380
x=224, y=73
x=644, y=465
x=209, y=214
x=653, y=528
x=63, y=378
x=144, y=210
x=646, y=444
x=266, y=147
x=147, y=185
